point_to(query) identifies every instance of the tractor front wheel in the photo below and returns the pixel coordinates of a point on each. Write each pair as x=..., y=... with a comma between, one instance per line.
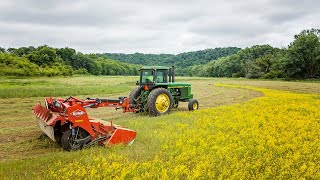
x=68, y=143
x=159, y=102
x=193, y=104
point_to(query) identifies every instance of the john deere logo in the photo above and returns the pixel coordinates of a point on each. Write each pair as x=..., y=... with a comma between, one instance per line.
x=77, y=113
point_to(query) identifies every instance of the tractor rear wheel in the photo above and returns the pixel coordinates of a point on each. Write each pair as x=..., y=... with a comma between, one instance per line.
x=159, y=102
x=193, y=104
x=68, y=143
x=135, y=93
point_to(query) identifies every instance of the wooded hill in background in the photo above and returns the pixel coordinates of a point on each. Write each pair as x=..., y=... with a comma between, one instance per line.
x=48, y=61
x=180, y=61
x=301, y=60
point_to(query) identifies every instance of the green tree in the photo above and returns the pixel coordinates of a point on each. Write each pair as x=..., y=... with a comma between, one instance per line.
x=256, y=60
x=43, y=55
x=66, y=54
x=2, y=50
x=303, y=58
x=21, y=51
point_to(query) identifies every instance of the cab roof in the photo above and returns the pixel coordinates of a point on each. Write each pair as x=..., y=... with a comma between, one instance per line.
x=153, y=67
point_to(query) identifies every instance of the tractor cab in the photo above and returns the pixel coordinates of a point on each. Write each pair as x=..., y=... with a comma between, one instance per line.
x=152, y=75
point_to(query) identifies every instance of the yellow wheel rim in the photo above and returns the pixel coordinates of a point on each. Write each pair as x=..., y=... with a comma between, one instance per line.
x=195, y=105
x=162, y=103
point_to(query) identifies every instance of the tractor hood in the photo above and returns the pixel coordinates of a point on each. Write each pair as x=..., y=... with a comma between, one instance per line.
x=175, y=84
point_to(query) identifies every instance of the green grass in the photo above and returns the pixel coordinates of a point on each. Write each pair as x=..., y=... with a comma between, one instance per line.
x=40, y=87
x=26, y=152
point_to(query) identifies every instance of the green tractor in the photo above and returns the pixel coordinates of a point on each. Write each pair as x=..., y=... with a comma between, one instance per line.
x=157, y=92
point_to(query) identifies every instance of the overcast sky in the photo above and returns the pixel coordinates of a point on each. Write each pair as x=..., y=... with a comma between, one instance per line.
x=154, y=26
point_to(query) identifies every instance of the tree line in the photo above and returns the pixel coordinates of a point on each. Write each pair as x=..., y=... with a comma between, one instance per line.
x=49, y=61
x=181, y=61
x=300, y=60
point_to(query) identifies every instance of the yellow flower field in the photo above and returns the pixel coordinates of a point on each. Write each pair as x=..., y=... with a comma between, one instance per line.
x=275, y=136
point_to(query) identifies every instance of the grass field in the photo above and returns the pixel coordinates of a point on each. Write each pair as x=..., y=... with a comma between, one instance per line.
x=244, y=128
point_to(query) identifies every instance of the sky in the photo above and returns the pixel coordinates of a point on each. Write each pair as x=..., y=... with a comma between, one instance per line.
x=154, y=26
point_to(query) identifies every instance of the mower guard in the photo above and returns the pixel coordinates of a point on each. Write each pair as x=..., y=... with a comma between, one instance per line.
x=122, y=136
x=48, y=130
x=43, y=119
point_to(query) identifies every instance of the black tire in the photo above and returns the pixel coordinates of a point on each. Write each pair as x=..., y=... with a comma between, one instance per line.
x=175, y=104
x=135, y=93
x=58, y=132
x=192, y=106
x=66, y=139
x=58, y=137
x=151, y=102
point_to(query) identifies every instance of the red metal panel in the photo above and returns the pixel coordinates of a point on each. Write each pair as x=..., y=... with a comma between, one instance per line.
x=122, y=136
x=79, y=118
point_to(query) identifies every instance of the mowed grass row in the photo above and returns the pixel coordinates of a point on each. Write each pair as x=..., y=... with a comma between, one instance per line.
x=42, y=87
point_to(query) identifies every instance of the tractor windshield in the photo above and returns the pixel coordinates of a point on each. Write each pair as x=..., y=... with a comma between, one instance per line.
x=146, y=76
x=161, y=76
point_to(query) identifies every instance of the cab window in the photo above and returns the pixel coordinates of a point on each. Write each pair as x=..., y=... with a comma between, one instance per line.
x=161, y=76
x=146, y=76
